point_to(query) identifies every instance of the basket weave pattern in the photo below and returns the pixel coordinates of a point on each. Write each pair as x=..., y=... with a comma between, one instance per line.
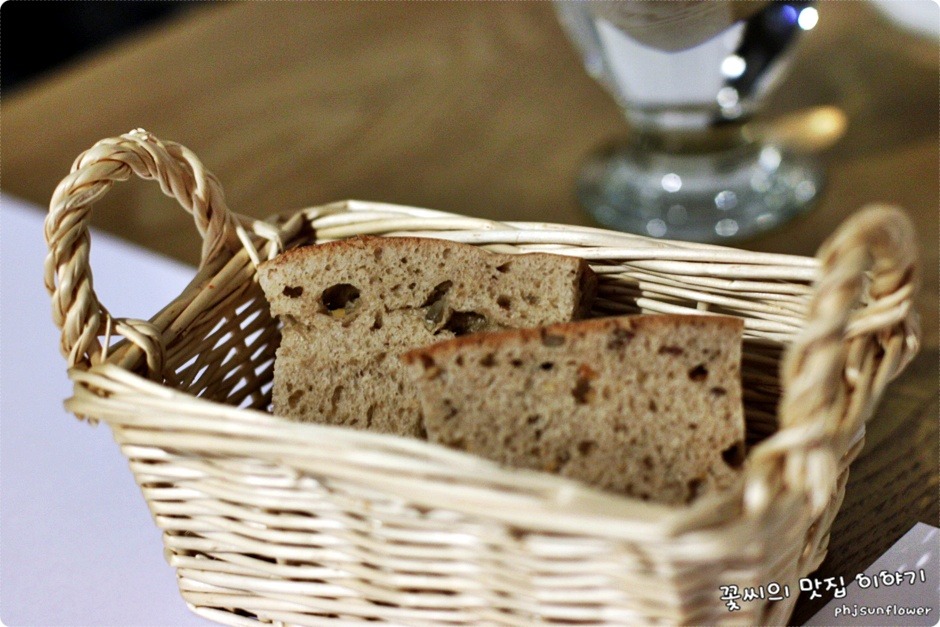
x=272, y=521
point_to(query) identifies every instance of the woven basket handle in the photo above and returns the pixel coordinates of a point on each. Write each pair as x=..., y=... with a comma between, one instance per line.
x=818, y=416
x=879, y=240
x=68, y=277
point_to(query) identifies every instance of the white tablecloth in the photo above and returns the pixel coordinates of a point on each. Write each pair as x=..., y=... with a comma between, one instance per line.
x=77, y=544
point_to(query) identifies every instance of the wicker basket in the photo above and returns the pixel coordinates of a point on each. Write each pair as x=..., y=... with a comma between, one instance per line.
x=268, y=521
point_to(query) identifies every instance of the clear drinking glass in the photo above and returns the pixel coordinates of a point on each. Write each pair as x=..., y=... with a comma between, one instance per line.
x=692, y=168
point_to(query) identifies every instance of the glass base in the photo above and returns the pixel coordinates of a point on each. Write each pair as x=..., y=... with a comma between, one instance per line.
x=706, y=197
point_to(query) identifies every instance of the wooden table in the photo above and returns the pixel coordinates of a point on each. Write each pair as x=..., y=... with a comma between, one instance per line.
x=484, y=109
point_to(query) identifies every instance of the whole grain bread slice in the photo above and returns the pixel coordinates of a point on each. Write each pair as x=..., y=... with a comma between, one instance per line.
x=648, y=405
x=349, y=308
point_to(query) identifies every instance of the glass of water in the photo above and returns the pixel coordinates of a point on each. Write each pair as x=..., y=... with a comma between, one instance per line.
x=692, y=168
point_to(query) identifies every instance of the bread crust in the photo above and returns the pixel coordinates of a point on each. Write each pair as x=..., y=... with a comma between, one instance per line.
x=577, y=328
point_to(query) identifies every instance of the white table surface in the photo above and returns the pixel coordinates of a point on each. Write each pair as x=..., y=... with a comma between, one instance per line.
x=77, y=544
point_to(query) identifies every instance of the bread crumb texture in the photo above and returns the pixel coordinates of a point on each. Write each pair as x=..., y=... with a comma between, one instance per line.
x=350, y=308
x=649, y=406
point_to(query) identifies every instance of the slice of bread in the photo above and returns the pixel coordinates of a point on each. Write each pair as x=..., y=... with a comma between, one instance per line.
x=650, y=406
x=350, y=308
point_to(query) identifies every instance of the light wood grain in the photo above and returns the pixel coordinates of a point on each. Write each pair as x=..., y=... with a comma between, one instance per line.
x=481, y=109
x=484, y=109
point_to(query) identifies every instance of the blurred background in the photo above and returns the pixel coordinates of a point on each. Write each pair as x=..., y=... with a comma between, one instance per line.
x=476, y=108
x=69, y=29
x=483, y=109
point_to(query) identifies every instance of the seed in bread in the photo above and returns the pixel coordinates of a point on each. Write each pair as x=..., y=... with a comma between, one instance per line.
x=650, y=406
x=350, y=308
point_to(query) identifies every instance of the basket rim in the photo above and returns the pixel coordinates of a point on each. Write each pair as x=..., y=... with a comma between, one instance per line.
x=570, y=502
x=268, y=241
x=485, y=230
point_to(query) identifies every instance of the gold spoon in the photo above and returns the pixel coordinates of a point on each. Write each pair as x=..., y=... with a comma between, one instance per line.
x=806, y=131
